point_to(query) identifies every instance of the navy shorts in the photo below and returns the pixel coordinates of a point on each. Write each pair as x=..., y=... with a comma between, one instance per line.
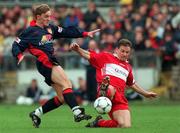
x=46, y=70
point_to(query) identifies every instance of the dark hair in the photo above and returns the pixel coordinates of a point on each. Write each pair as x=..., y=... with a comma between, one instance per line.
x=40, y=9
x=34, y=80
x=124, y=42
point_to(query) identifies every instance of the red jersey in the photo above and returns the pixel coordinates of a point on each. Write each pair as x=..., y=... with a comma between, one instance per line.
x=107, y=64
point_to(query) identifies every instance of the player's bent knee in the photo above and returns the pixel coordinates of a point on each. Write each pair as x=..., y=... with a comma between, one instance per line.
x=122, y=124
x=125, y=125
x=66, y=84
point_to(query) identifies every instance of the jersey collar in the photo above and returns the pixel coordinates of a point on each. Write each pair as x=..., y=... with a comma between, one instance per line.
x=33, y=23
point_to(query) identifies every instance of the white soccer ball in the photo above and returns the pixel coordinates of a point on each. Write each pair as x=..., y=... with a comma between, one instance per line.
x=102, y=105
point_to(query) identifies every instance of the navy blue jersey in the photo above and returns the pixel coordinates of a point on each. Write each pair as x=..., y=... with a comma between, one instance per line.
x=39, y=41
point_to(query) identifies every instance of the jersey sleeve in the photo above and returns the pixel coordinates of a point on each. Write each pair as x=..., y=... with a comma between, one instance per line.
x=130, y=79
x=69, y=32
x=95, y=59
x=20, y=44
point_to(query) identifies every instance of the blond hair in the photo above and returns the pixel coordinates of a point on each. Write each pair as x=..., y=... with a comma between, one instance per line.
x=40, y=9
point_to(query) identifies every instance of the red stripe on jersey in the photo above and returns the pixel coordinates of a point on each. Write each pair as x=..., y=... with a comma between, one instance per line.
x=68, y=90
x=41, y=55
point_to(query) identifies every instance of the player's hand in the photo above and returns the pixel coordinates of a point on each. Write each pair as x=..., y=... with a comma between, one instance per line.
x=74, y=46
x=91, y=33
x=151, y=95
x=20, y=57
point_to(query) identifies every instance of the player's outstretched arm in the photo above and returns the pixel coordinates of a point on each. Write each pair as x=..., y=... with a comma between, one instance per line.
x=20, y=44
x=84, y=53
x=71, y=32
x=140, y=90
x=92, y=33
x=16, y=51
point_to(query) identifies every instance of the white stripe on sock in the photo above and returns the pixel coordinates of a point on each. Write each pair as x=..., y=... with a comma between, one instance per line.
x=76, y=107
x=76, y=110
x=39, y=111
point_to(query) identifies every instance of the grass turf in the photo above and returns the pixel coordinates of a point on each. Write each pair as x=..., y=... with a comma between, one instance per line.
x=146, y=118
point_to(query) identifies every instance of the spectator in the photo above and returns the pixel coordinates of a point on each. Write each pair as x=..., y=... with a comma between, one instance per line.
x=109, y=43
x=168, y=52
x=139, y=42
x=148, y=45
x=33, y=91
x=32, y=95
x=80, y=92
x=91, y=84
x=137, y=20
x=78, y=12
x=91, y=15
x=71, y=19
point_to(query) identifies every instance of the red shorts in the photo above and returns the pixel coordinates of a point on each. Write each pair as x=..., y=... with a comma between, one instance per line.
x=119, y=101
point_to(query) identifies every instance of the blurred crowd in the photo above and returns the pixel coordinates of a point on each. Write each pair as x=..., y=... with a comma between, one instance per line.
x=150, y=28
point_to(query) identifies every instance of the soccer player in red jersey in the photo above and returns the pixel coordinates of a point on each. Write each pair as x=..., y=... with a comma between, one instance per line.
x=113, y=73
x=38, y=40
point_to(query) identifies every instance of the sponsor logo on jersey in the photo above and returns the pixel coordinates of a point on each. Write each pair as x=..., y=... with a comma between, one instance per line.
x=46, y=39
x=117, y=71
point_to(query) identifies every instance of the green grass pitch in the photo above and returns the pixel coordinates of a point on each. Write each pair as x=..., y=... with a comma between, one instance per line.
x=146, y=118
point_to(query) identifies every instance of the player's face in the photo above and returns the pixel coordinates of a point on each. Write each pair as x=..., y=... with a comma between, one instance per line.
x=123, y=52
x=45, y=18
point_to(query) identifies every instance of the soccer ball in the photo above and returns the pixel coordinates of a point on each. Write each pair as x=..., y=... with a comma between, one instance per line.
x=102, y=105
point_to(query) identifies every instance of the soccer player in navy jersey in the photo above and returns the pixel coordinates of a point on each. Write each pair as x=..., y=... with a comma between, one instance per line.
x=113, y=73
x=38, y=40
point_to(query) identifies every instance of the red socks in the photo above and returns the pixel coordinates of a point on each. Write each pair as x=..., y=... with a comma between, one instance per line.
x=107, y=123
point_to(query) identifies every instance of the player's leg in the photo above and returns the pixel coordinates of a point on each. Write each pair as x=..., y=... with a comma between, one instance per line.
x=120, y=110
x=123, y=118
x=51, y=104
x=59, y=77
x=100, y=122
x=120, y=115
